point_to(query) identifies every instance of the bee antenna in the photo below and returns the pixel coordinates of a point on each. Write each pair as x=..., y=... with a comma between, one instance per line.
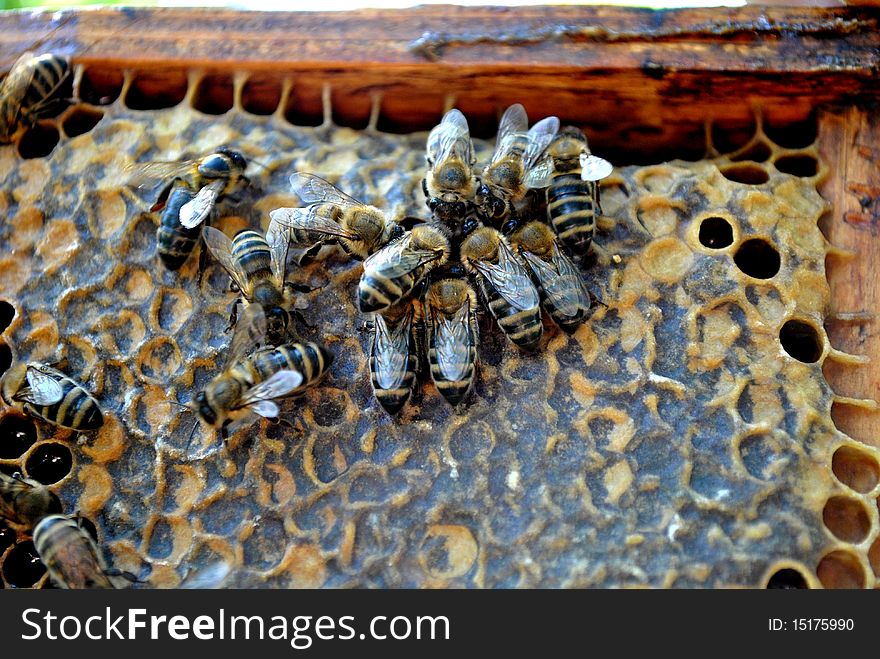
x=192, y=433
x=258, y=163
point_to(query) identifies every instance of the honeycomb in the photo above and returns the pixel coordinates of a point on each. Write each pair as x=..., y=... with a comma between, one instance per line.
x=681, y=438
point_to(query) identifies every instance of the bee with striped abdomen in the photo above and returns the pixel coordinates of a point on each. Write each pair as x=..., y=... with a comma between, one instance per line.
x=50, y=395
x=25, y=501
x=573, y=193
x=71, y=556
x=332, y=217
x=256, y=376
x=562, y=289
x=516, y=164
x=453, y=335
x=393, y=272
x=30, y=90
x=506, y=285
x=393, y=356
x=257, y=266
x=186, y=200
x=449, y=184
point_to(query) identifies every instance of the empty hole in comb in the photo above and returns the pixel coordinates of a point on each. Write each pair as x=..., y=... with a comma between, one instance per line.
x=787, y=579
x=81, y=120
x=856, y=469
x=730, y=135
x=22, y=567
x=801, y=340
x=797, y=165
x=795, y=134
x=758, y=152
x=847, y=519
x=154, y=90
x=745, y=173
x=17, y=435
x=100, y=86
x=757, y=258
x=840, y=569
x=261, y=95
x=874, y=557
x=49, y=463
x=7, y=313
x=715, y=233
x=38, y=141
x=304, y=106
x=214, y=94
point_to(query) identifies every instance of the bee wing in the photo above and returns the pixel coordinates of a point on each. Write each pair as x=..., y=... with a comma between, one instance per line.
x=510, y=279
x=249, y=333
x=514, y=123
x=213, y=576
x=221, y=249
x=562, y=284
x=452, y=344
x=310, y=219
x=540, y=136
x=396, y=259
x=594, y=168
x=390, y=350
x=10, y=488
x=43, y=389
x=17, y=82
x=259, y=397
x=540, y=174
x=313, y=189
x=278, y=238
x=195, y=211
x=140, y=174
x=451, y=137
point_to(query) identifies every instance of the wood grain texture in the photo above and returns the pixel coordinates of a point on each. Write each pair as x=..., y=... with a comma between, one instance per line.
x=849, y=140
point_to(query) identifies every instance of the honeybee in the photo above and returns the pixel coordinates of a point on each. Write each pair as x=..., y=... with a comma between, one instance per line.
x=25, y=501
x=513, y=298
x=71, y=556
x=573, y=193
x=50, y=395
x=449, y=184
x=453, y=335
x=30, y=90
x=253, y=379
x=392, y=273
x=515, y=166
x=393, y=356
x=192, y=190
x=256, y=265
x=562, y=289
x=332, y=217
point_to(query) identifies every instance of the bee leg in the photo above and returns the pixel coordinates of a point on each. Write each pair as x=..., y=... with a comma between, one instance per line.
x=128, y=576
x=203, y=263
x=163, y=196
x=233, y=316
x=299, y=288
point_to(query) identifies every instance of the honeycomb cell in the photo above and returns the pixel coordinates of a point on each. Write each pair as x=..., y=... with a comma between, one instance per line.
x=757, y=258
x=22, y=567
x=261, y=95
x=49, y=463
x=159, y=359
x=715, y=233
x=874, y=557
x=760, y=454
x=797, y=134
x=856, y=469
x=801, y=340
x=7, y=313
x=214, y=94
x=80, y=120
x=154, y=90
x=847, y=519
x=728, y=136
x=749, y=174
x=757, y=152
x=797, y=165
x=100, y=86
x=171, y=308
x=841, y=569
x=7, y=539
x=448, y=551
x=5, y=358
x=39, y=141
x=787, y=579
x=17, y=435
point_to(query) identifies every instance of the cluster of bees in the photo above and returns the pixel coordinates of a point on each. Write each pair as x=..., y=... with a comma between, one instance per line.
x=509, y=238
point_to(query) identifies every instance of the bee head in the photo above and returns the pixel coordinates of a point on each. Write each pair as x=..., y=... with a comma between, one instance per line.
x=277, y=320
x=204, y=409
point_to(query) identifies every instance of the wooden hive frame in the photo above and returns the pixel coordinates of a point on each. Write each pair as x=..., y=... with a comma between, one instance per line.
x=653, y=85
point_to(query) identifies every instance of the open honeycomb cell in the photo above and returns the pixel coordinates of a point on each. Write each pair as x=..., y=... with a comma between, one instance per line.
x=681, y=438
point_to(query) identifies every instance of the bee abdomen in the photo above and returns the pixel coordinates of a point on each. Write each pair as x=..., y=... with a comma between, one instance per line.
x=49, y=71
x=311, y=360
x=566, y=323
x=174, y=241
x=394, y=399
x=377, y=293
x=76, y=410
x=571, y=210
x=522, y=326
x=251, y=251
x=454, y=391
